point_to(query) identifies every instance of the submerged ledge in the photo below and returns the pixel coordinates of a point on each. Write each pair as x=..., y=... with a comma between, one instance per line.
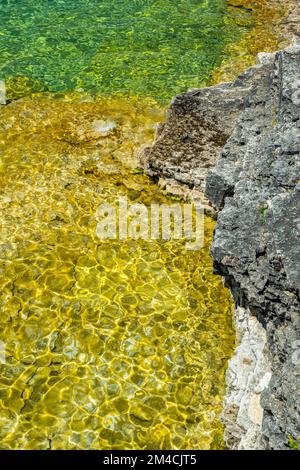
x=107, y=343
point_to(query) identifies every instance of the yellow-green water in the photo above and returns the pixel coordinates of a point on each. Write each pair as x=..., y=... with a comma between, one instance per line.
x=108, y=345
x=116, y=344
x=142, y=47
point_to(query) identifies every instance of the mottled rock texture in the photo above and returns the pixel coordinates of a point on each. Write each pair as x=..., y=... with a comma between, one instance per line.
x=289, y=24
x=240, y=144
x=198, y=125
x=256, y=242
x=248, y=375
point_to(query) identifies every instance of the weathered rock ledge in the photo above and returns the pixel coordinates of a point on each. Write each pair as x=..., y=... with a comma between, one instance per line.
x=239, y=143
x=256, y=242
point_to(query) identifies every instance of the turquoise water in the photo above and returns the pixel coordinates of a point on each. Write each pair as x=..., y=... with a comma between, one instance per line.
x=153, y=48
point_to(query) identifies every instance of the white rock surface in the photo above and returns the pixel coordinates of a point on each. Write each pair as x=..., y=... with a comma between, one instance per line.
x=2, y=92
x=248, y=375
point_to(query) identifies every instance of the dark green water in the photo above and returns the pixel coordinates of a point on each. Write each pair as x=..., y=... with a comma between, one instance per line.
x=151, y=48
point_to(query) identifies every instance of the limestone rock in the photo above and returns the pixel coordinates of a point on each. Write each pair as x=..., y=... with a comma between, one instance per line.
x=239, y=143
x=198, y=125
x=256, y=242
x=248, y=375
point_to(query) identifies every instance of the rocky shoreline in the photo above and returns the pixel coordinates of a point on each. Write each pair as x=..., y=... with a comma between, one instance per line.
x=236, y=146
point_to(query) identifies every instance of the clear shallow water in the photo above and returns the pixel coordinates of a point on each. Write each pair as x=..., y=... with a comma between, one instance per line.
x=107, y=345
x=144, y=47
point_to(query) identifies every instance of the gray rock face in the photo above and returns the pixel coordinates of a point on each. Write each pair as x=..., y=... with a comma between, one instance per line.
x=198, y=125
x=240, y=144
x=256, y=241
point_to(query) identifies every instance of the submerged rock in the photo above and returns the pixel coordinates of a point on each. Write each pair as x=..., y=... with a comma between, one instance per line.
x=102, y=127
x=84, y=128
x=100, y=335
